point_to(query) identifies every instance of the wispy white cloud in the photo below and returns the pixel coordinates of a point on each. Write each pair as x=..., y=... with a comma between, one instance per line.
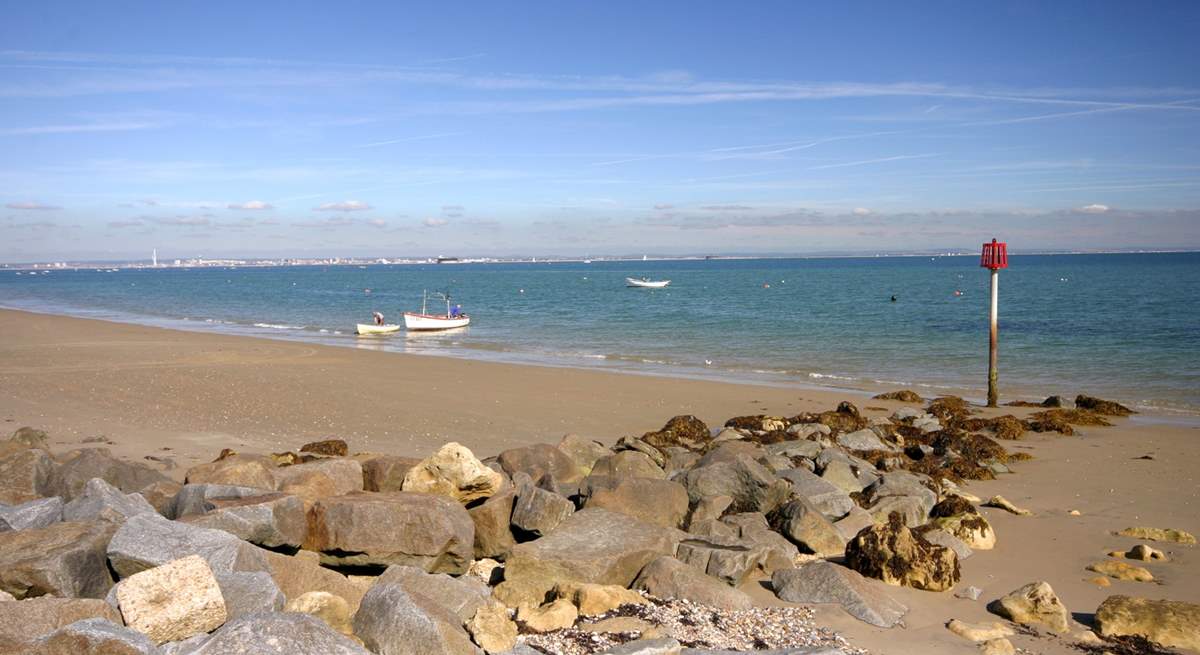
x=344, y=206
x=422, y=137
x=434, y=222
x=251, y=204
x=29, y=205
x=81, y=127
x=879, y=160
x=1093, y=209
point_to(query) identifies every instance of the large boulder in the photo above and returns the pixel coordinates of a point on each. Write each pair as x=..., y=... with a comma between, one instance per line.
x=627, y=464
x=830, y=500
x=1036, y=605
x=453, y=471
x=667, y=577
x=902, y=484
x=865, y=439
x=805, y=526
x=333, y=610
x=683, y=431
x=193, y=498
x=493, y=527
x=824, y=582
x=386, y=472
x=583, y=452
x=1172, y=623
x=959, y=518
x=248, y=592
x=661, y=502
x=25, y=476
x=272, y=520
x=898, y=556
x=78, y=467
x=278, y=633
x=101, y=500
x=537, y=461
x=148, y=540
x=174, y=601
x=492, y=629
x=26, y=620
x=319, y=478
x=38, y=513
x=95, y=637
x=591, y=545
x=751, y=485
x=595, y=599
x=64, y=559
x=1100, y=406
x=394, y=621
x=381, y=529
x=463, y=595
x=235, y=470
x=536, y=511
x=302, y=573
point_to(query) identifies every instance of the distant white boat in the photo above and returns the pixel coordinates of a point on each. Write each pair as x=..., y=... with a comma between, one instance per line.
x=370, y=328
x=453, y=318
x=645, y=283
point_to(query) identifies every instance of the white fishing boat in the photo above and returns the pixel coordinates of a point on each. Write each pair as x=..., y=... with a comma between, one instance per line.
x=371, y=328
x=453, y=318
x=646, y=283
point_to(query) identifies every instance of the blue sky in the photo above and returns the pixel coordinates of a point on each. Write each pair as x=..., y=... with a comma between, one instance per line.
x=588, y=128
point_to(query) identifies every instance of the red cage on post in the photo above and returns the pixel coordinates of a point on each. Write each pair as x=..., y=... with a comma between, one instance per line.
x=995, y=255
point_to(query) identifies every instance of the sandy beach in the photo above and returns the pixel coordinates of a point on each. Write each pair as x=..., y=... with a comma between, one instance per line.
x=184, y=396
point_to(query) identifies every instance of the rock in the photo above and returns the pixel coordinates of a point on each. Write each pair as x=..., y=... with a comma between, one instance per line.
x=809, y=430
x=1104, y=407
x=865, y=439
x=333, y=610
x=1145, y=553
x=583, y=452
x=661, y=502
x=752, y=487
x=95, y=637
x=174, y=601
x=840, y=474
x=830, y=500
x=72, y=475
x=463, y=596
x=684, y=431
x=591, y=545
x=1034, y=605
x=927, y=424
x=145, y=541
x=25, y=476
x=1158, y=534
x=320, y=478
x=903, y=395
x=386, y=472
x=249, y=592
x=380, y=529
x=536, y=512
x=453, y=471
x=1003, y=503
x=896, y=555
x=556, y=615
x=804, y=526
x=970, y=593
x=824, y=582
x=710, y=508
x=278, y=633
x=185, y=647
x=493, y=521
x=489, y=571
x=979, y=632
x=194, y=498
x=753, y=529
x=302, y=573
x=1100, y=581
x=39, y=513
x=100, y=500
x=236, y=470
x=901, y=484
x=939, y=537
x=1172, y=623
x=1121, y=571
x=631, y=443
x=627, y=464
x=26, y=620
x=850, y=525
x=667, y=577
x=594, y=599
x=911, y=509
x=971, y=528
x=492, y=629
x=537, y=461
x=997, y=647
x=272, y=520
x=393, y=621
x=327, y=447
x=63, y=559
x=27, y=437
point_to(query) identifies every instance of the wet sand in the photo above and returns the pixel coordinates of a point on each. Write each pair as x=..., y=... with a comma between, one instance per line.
x=185, y=396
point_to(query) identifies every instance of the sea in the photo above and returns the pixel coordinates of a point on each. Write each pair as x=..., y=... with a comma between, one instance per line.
x=1118, y=326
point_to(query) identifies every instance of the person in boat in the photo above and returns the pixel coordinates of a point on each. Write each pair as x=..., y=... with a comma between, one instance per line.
x=893, y=298
x=378, y=318
x=455, y=311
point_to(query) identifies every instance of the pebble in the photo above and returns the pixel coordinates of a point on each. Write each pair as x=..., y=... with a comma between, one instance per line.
x=1003, y=503
x=970, y=593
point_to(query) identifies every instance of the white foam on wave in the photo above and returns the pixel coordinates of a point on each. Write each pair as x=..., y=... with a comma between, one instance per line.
x=276, y=326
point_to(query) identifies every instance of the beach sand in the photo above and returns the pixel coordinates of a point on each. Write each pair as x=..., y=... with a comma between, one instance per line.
x=185, y=396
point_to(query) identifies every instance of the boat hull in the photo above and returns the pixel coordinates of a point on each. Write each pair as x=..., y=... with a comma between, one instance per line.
x=646, y=284
x=428, y=322
x=367, y=328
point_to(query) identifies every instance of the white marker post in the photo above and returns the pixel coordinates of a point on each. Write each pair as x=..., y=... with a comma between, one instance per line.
x=994, y=257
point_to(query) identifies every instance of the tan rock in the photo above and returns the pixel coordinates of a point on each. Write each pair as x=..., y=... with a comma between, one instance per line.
x=558, y=615
x=238, y=470
x=1158, y=534
x=315, y=479
x=1035, y=604
x=385, y=472
x=1100, y=581
x=1121, y=571
x=898, y=556
x=593, y=599
x=302, y=573
x=25, y=620
x=488, y=570
x=333, y=610
x=979, y=632
x=972, y=529
x=492, y=628
x=1168, y=622
x=997, y=647
x=1145, y=553
x=1003, y=503
x=453, y=471
x=172, y=602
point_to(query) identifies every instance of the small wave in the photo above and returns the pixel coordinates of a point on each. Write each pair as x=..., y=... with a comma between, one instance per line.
x=830, y=376
x=275, y=326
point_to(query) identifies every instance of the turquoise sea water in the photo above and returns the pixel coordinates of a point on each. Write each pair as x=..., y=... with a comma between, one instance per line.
x=1122, y=326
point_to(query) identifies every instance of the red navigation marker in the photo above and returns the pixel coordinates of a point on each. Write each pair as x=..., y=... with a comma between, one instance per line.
x=994, y=258
x=995, y=255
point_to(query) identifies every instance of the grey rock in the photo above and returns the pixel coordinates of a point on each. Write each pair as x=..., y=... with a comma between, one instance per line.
x=824, y=582
x=536, y=511
x=149, y=540
x=907, y=413
x=627, y=464
x=538, y=460
x=667, y=577
x=827, y=498
x=728, y=560
x=842, y=475
x=632, y=443
x=864, y=439
x=193, y=498
x=709, y=509
x=853, y=522
x=912, y=508
x=809, y=430
x=463, y=596
x=902, y=483
x=804, y=525
x=271, y=520
x=64, y=559
x=661, y=502
x=95, y=637
x=493, y=524
x=185, y=647
x=249, y=592
x=940, y=537
x=38, y=513
x=23, y=621
x=927, y=424
x=753, y=529
x=970, y=593
x=805, y=449
x=278, y=633
x=101, y=500
x=72, y=475
x=394, y=621
x=751, y=485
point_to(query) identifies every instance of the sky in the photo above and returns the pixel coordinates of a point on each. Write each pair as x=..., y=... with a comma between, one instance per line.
x=311, y=129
